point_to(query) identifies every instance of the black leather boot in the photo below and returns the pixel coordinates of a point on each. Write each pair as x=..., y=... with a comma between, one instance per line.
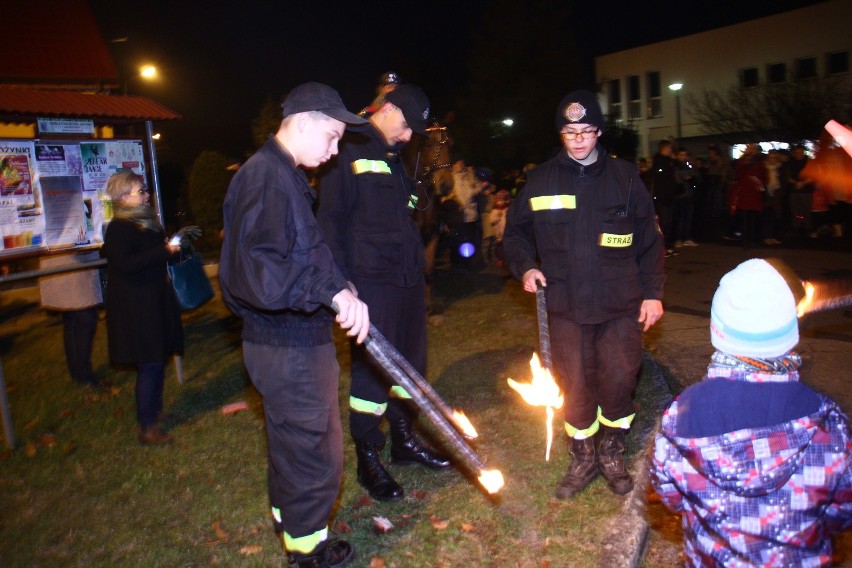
x=611, y=449
x=334, y=554
x=373, y=475
x=583, y=469
x=406, y=449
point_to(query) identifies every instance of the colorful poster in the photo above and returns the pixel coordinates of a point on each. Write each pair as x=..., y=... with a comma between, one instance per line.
x=64, y=212
x=21, y=223
x=58, y=160
x=102, y=159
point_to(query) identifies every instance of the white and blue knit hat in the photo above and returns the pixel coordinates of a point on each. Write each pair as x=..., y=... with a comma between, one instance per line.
x=754, y=312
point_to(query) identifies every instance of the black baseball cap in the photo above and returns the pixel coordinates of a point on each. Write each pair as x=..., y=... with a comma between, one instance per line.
x=413, y=104
x=309, y=97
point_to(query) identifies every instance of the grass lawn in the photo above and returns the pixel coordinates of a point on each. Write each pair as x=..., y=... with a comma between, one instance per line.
x=79, y=490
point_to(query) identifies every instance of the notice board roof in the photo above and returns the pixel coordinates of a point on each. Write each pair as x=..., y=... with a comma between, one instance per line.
x=54, y=41
x=25, y=104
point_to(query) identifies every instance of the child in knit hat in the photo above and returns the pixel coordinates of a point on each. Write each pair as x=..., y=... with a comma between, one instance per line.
x=757, y=463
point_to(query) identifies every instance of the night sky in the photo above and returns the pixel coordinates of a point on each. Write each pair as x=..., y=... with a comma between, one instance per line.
x=220, y=61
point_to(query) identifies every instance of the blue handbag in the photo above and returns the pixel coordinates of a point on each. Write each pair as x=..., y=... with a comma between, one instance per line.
x=190, y=282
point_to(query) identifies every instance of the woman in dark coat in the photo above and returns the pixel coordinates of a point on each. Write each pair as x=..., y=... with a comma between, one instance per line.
x=143, y=317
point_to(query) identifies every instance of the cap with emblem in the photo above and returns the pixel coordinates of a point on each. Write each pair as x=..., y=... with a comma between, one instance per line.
x=580, y=107
x=309, y=97
x=389, y=78
x=413, y=104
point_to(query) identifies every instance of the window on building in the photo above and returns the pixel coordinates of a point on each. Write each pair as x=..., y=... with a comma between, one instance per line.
x=806, y=68
x=634, y=98
x=749, y=77
x=837, y=62
x=652, y=90
x=776, y=73
x=615, y=111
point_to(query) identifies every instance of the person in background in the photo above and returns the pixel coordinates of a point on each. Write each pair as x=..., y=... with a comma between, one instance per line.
x=590, y=220
x=142, y=313
x=750, y=178
x=387, y=83
x=365, y=213
x=76, y=295
x=756, y=462
x=278, y=275
x=665, y=187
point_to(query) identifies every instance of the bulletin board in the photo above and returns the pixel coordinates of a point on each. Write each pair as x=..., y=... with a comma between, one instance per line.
x=53, y=191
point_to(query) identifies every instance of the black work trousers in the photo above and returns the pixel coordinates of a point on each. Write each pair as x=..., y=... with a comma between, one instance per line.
x=597, y=365
x=78, y=332
x=400, y=315
x=302, y=413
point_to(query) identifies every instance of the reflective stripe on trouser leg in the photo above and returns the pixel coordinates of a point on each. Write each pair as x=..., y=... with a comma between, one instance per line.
x=400, y=315
x=582, y=434
x=623, y=423
x=304, y=544
x=299, y=386
x=597, y=366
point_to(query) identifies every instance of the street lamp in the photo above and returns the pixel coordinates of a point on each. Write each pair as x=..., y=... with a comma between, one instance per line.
x=146, y=72
x=676, y=87
x=508, y=122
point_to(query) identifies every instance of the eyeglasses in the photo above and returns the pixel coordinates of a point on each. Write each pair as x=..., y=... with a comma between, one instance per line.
x=582, y=135
x=142, y=191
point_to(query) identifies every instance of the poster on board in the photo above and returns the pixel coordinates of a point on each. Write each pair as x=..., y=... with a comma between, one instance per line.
x=21, y=220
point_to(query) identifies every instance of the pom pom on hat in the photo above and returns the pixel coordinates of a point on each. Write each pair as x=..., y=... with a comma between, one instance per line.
x=754, y=312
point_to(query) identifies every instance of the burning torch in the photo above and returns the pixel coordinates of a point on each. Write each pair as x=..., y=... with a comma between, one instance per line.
x=425, y=397
x=542, y=390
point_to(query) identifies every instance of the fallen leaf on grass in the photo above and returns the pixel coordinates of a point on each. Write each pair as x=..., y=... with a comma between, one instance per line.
x=544, y=564
x=341, y=527
x=382, y=525
x=221, y=534
x=29, y=425
x=48, y=440
x=363, y=501
x=66, y=413
x=234, y=407
x=420, y=495
x=69, y=448
x=250, y=549
x=376, y=562
x=30, y=450
x=466, y=527
x=438, y=524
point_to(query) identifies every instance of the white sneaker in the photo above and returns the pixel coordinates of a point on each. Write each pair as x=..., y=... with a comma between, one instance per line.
x=690, y=243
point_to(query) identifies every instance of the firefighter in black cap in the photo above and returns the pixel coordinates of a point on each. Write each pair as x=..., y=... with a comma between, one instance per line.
x=365, y=213
x=590, y=220
x=387, y=83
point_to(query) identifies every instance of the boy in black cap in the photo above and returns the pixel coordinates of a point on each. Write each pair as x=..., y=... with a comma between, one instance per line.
x=387, y=83
x=279, y=276
x=590, y=220
x=366, y=216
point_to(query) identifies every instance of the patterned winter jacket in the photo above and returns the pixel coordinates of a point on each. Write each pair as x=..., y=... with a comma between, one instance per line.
x=755, y=496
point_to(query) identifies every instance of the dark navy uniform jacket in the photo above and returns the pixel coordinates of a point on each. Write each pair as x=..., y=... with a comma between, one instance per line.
x=594, y=229
x=365, y=212
x=276, y=271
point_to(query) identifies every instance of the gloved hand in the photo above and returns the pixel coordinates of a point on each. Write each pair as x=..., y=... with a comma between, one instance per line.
x=191, y=231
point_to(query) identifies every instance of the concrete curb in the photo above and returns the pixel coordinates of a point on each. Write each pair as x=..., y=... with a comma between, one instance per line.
x=626, y=540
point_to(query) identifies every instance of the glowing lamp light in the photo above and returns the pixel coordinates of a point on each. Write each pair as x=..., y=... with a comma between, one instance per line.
x=466, y=250
x=508, y=122
x=541, y=391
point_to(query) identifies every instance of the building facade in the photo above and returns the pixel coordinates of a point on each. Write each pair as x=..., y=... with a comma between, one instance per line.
x=638, y=85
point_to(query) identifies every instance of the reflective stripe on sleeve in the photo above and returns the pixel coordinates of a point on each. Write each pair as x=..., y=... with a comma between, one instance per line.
x=582, y=434
x=623, y=423
x=397, y=391
x=304, y=544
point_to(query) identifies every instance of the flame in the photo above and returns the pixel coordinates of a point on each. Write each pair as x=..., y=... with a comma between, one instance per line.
x=491, y=480
x=463, y=425
x=806, y=303
x=541, y=391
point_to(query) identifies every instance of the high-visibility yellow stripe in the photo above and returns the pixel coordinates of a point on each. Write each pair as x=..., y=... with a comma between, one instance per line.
x=623, y=423
x=365, y=166
x=276, y=513
x=367, y=406
x=397, y=391
x=582, y=434
x=616, y=241
x=304, y=544
x=548, y=202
